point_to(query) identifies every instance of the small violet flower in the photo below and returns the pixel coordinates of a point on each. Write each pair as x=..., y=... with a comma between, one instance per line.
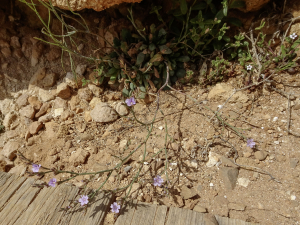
x=115, y=207
x=250, y=143
x=130, y=101
x=35, y=168
x=52, y=182
x=157, y=181
x=293, y=36
x=84, y=200
x=249, y=67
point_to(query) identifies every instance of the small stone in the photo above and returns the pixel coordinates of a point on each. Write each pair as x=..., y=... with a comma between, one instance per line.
x=94, y=149
x=27, y=111
x=227, y=162
x=66, y=114
x=49, y=80
x=43, y=109
x=86, y=137
x=45, y=118
x=63, y=90
x=94, y=102
x=243, y=181
x=97, y=91
x=213, y=159
x=87, y=116
x=103, y=113
x=9, y=119
x=199, y=208
x=22, y=100
x=35, y=127
x=74, y=81
x=58, y=112
x=18, y=170
x=229, y=176
x=127, y=169
x=135, y=188
x=260, y=155
x=85, y=93
x=293, y=162
x=188, y=193
x=79, y=157
x=46, y=95
x=80, y=69
x=121, y=109
x=10, y=149
x=35, y=103
x=236, y=206
x=123, y=144
x=60, y=103
x=14, y=42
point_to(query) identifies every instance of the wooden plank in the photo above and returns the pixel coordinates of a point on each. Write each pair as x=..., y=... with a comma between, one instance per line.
x=173, y=217
x=58, y=214
x=49, y=206
x=94, y=214
x=9, y=189
x=144, y=214
x=3, y=178
x=160, y=215
x=196, y=218
x=19, y=202
x=126, y=214
x=35, y=206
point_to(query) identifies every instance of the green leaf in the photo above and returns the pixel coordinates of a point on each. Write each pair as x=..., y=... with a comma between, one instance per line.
x=113, y=77
x=152, y=47
x=180, y=73
x=233, y=55
x=117, y=42
x=152, y=28
x=237, y=4
x=125, y=92
x=156, y=58
x=220, y=15
x=213, y=8
x=112, y=71
x=199, y=6
x=226, y=38
x=183, y=59
x=126, y=35
x=161, y=32
x=140, y=58
x=132, y=86
x=183, y=7
x=124, y=46
x=235, y=21
x=177, y=13
x=164, y=49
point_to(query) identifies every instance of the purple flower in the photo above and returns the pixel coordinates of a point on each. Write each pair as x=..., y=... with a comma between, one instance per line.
x=130, y=101
x=84, y=200
x=115, y=207
x=35, y=168
x=250, y=143
x=157, y=181
x=52, y=182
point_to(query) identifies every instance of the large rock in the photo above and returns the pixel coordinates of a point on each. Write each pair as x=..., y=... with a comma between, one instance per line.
x=46, y=95
x=35, y=127
x=27, y=111
x=22, y=100
x=103, y=113
x=97, y=5
x=7, y=105
x=10, y=149
x=9, y=119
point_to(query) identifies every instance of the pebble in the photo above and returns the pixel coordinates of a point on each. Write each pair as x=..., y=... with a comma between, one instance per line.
x=243, y=181
x=229, y=176
x=293, y=162
x=187, y=193
x=236, y=206
x=260, y=155
x=127, y=169
x=199, y=208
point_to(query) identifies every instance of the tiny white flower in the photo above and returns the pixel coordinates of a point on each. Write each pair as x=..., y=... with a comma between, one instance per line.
x=211, y=184
x=263, y=76
x=293, y=36
x=249, y=67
